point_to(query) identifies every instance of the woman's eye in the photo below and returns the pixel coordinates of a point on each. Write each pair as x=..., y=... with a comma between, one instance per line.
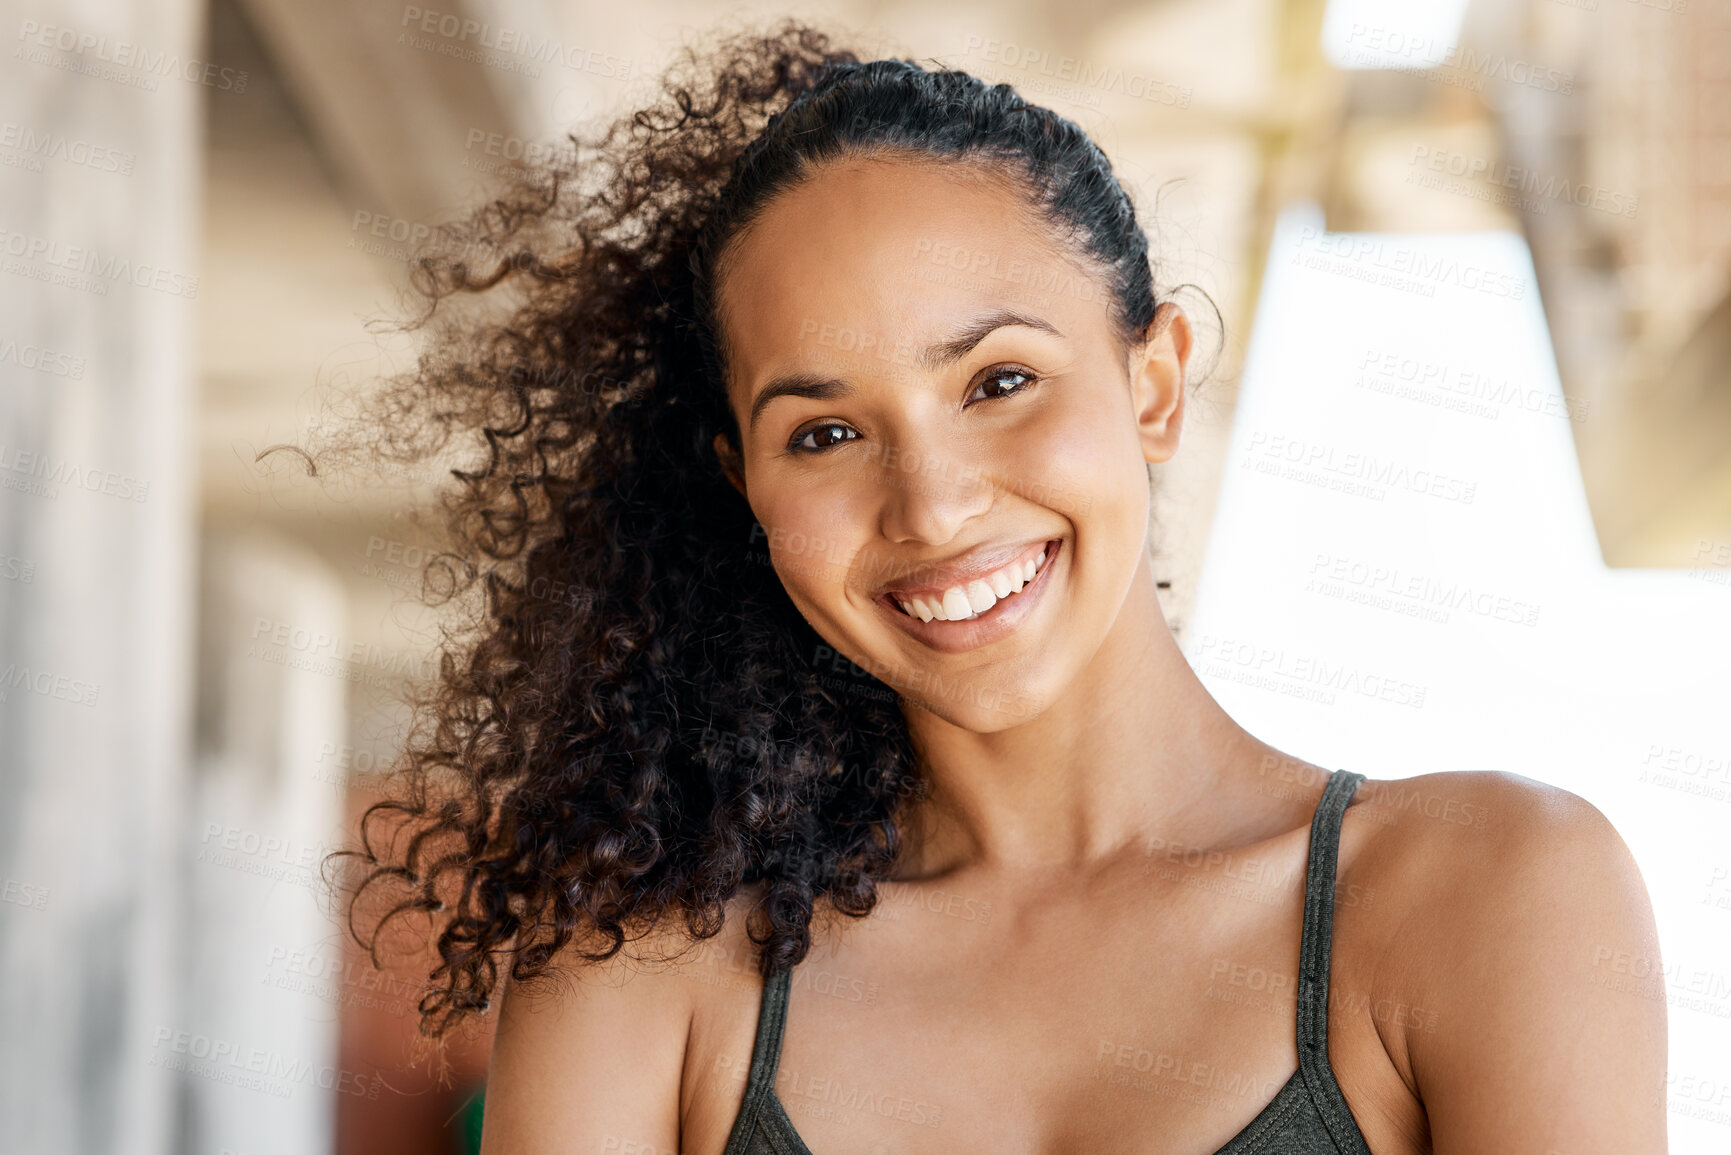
x=1000, y=383
x=821, y=437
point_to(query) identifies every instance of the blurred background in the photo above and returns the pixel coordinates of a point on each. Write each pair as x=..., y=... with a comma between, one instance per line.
x=202, y=203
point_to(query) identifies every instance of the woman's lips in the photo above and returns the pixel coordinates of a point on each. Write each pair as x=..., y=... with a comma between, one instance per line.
x=966, y=600
x=981, y=627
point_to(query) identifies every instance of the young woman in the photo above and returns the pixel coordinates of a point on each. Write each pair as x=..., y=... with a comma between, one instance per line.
x=823, y=735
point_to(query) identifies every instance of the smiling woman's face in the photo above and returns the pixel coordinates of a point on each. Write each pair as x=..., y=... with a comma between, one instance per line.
x=942, y=432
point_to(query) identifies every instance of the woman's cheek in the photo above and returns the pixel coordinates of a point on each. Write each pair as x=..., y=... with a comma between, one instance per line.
x=1073, y=463
x=812, y=536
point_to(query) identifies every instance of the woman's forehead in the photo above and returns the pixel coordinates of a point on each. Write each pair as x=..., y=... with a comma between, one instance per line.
x=885, y=249
x=886, y=213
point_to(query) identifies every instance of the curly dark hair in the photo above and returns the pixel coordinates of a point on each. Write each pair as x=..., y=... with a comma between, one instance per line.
x=635, y=722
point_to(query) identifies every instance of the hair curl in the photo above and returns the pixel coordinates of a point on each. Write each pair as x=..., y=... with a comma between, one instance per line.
x=585, y=766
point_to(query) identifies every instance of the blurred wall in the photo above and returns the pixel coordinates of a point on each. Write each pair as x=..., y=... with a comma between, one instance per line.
x=263, y=956
x=99, y=290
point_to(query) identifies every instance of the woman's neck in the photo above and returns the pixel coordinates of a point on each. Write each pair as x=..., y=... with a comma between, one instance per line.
x=1136, y=743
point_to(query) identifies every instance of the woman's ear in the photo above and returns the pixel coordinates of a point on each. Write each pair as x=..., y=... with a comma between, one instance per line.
x=1157, y=373
x=731, y=465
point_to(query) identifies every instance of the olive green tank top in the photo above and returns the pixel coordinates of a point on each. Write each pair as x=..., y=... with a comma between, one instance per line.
x=1308, y=1116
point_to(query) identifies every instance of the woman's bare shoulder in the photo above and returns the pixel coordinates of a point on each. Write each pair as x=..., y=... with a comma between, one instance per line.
x=1472, y=848
x=595, y=1051
x=1474, y=826
x=1515, y=912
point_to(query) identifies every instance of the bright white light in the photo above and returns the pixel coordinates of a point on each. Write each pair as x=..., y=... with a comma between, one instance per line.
x=1392, y=34
x=1403, y=578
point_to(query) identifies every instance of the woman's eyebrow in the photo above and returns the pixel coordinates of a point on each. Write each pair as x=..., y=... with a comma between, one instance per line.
x=817, y=388
x=959, y=346
x=798, y=385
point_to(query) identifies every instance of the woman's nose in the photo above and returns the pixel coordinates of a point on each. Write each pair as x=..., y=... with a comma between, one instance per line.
x=930, y=494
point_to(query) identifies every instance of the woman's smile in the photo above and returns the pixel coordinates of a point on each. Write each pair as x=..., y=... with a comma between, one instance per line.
x=966, y=605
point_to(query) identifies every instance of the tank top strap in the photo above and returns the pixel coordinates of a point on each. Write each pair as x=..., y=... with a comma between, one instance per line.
x=1313, y=953
x=765, y=1057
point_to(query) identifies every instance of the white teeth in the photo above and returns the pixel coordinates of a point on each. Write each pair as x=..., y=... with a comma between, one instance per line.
x=915, y=608
x=959, y=603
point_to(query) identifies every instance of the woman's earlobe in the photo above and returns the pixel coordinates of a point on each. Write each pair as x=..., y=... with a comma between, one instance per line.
x=1159, y=372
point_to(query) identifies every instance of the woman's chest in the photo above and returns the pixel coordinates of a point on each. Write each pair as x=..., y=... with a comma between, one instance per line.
x=1158, y=1017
